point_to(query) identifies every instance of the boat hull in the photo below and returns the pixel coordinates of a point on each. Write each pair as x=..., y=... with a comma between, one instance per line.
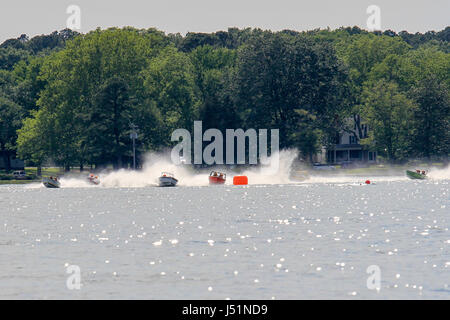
x=167, y=182
x=415, y=176
x=95, y=182
x=51, y=184
x=216, y=180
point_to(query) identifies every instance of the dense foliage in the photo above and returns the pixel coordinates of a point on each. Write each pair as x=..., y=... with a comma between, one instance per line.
x=70, y=99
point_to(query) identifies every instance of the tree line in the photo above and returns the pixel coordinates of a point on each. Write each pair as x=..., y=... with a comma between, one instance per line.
x=69, y=99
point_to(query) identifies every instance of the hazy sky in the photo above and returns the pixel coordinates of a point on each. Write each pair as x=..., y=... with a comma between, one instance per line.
x=35, y=17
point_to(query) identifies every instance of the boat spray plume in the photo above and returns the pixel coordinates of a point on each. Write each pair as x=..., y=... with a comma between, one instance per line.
x=154, y=165
x=439, y=174
x=277, y=171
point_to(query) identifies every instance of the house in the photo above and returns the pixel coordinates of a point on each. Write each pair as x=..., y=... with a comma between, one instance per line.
x=347, y=149
x=15, y=164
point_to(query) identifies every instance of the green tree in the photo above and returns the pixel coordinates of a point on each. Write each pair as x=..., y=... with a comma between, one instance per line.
x=432, y=118
x=10, y=56
x=214, y=73
x=423, y=76
x=362, y=52
x=28, y=83
x=408, y=69
x=7, y=84
x=10, y=121
x=169, y=84
x=75, y=77
x=33, y=140
x=109, y=120
x=389, y=114
x=281, y=78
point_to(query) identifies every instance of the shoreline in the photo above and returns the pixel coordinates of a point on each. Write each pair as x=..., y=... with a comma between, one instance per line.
x=16, y=182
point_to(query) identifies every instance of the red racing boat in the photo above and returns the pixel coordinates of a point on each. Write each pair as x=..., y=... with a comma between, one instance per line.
x=217, y=178
x=93, y=179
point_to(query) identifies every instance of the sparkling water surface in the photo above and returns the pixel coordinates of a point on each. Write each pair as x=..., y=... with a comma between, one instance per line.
x=296, y=241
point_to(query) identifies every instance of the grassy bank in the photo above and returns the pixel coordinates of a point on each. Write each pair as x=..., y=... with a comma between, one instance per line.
x=45, y=172
x=4, y=182
x=32, y=172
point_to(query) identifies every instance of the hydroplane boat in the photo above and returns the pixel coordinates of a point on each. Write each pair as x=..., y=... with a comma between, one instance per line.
x=92, y=179
x=51, y=182
x=167, y=179
x=417, y=175
x=217, y=178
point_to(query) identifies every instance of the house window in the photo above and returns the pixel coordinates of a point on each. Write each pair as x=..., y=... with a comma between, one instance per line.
x=370, y=156
x=352, y=140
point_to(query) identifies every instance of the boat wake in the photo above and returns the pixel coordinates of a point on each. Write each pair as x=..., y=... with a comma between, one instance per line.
x=154, y=165
x=434, y=174
x=440, y=174
x=157, y=163
x=347, y=179
x=272, y=174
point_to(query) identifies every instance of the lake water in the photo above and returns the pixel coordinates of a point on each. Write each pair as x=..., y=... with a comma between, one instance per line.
x=289, y=241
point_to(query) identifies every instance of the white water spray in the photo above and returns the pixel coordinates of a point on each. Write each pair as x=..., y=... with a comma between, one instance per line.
x=280, y=173
x=155, y=164
x=440, y=174
x=275, y=173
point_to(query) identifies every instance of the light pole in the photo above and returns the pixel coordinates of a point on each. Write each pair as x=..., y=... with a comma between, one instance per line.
x=134, y=136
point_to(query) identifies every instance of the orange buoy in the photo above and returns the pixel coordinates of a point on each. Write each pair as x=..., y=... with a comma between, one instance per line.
x=240, y=181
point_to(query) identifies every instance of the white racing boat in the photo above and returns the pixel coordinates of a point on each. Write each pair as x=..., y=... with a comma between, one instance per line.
x=167, y=180
x=51, y=183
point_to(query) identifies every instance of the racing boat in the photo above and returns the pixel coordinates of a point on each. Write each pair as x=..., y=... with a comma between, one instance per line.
x=217, y=178
x=421, y=175
x=51, y=183
x=167, y=180
x=93, y=179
